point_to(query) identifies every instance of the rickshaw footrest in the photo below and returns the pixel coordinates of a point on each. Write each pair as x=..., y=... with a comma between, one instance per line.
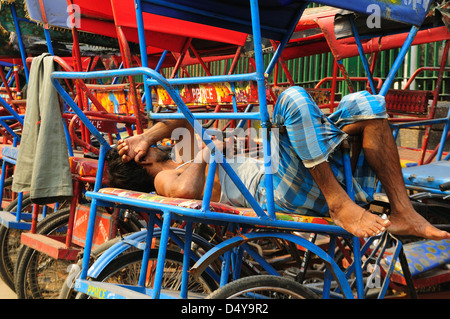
x=54, y=246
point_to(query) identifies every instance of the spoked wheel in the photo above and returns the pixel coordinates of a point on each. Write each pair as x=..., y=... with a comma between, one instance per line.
x=125, y=270
x=37, y=275
x=40, y=276
x=9, y=250
x=10, y=243
x=263, y=287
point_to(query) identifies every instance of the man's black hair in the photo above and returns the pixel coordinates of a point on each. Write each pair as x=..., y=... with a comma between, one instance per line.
x=128, y=175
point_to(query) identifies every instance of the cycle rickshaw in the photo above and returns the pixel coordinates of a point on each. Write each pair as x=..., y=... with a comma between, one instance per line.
x=270, y=19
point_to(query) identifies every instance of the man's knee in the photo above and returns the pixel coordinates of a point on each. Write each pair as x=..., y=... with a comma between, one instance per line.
x=294, y=105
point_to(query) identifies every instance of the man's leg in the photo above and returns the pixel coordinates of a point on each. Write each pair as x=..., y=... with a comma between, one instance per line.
x=313, y=138
x=381, y=153
x=343, y=210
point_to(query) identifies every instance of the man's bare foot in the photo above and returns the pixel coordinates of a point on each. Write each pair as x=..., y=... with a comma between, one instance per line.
x=409, y=222
x=358, y=221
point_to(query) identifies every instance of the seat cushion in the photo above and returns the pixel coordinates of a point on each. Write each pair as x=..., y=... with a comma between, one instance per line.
x=430, y=175
x=214, y=207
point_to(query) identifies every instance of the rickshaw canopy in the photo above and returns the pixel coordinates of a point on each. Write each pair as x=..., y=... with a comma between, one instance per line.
x=276, y=15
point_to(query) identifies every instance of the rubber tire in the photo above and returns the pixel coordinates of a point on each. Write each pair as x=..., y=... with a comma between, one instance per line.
x=239, y=286
x=136, y=257
x=49, y=224
x=56, y=220
x=7, y=262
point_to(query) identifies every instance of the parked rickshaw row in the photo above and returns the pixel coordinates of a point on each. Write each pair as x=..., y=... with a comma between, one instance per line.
x=79, y=78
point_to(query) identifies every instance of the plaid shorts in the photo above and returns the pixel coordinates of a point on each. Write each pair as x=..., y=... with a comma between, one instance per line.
x=310, y=138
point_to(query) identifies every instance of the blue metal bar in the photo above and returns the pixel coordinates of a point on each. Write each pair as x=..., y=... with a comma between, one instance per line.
x=20, y=40
x=7, y=76
x=358, y=268
x=206, y=79
x=260, y=260
x=348, y=172
x=2, y=181
x=442, y=142
x=10, y=131
x=398, y=61
x=11, y=111
x=182, y=107
x=233, y=90
x=49, y=41
x=143, y=50
x=147, y=249
x=391, y=269
x=220, y=217
x=19, y=206
x=225, y=268
x=68, y=139
x=186, y=260
x=328, y=275
x=116, y=79
x=93, y=213
x=7, y=64
x=265, y=118
x=441, y=120
x=209, y=183
x=362, y=54
x=204, y=116
x=79, y=112
x=285, y=40
x=159, y=272
x=89, y=239
x=161, y=60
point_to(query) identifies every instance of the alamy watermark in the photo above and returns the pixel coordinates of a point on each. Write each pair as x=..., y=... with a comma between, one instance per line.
x=74, y=18
x=374, y=11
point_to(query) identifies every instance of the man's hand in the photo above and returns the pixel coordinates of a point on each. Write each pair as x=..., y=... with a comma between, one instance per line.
x=133, y=148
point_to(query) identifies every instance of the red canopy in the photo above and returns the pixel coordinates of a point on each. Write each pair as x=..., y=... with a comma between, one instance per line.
x=315, y=34
x=163, y=33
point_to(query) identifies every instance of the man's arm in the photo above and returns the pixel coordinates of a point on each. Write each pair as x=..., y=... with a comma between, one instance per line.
x=184, y=183
x=136, y=147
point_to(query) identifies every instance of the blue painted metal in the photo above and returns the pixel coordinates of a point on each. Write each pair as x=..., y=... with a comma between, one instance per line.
x=252, y=23
x=159, y=272
x=20, y=41
x=398, y=60
x=147, y=248
x=49, y=41
x=358, y=268
x=11, y=111
x=237, y=240
x=161, y=60
x=186, y=260
x=143, y=50
x=362, y=55
x=181, y=106
x=213, y=116
x=285, y=40
x=328, y=275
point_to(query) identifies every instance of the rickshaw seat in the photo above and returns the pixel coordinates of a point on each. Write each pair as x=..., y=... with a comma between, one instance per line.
x=214, y=206
x=9, y=151
x=425, y=255
x=408, y=102
x=84, y=167
x=430, y=175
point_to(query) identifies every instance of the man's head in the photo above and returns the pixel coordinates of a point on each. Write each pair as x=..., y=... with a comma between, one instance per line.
x=128, y=175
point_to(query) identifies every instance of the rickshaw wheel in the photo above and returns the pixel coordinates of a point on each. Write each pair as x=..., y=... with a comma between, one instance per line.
x=263, y=286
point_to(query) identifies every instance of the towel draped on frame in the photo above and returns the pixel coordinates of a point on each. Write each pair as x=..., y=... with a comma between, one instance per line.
x=42, y=166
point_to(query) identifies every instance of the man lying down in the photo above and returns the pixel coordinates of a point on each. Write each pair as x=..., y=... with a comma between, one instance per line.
x=308, y=179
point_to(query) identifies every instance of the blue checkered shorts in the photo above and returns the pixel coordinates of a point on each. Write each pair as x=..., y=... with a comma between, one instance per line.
x=310, y=138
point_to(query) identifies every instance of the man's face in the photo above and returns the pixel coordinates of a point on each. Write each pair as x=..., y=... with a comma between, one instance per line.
x=153, y=157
